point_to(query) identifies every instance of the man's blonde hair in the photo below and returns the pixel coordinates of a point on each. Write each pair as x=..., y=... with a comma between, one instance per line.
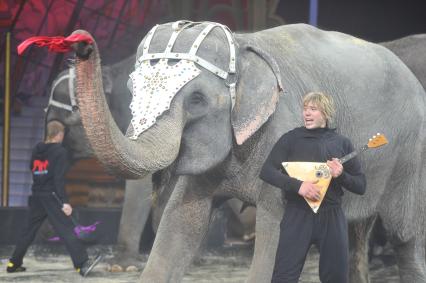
x=323, y=101
x=54, y=127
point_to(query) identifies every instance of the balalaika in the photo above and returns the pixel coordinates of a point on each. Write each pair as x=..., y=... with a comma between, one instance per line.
x=319, y=173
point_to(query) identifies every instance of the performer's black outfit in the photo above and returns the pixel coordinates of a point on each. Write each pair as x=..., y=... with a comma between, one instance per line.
x=48, y=165
x=300, y=226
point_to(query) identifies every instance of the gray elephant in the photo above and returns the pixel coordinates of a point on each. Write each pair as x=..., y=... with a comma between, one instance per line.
x=411, y=50
x=219, y=124
x=62, y=107
x=408, y=49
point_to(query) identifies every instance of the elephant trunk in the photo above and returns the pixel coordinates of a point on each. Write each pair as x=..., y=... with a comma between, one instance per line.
x=131, y=159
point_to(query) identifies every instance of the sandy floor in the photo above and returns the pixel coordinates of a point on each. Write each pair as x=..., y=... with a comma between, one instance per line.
x=44, y=266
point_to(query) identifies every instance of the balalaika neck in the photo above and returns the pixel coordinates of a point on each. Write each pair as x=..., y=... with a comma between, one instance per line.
x=353, y=154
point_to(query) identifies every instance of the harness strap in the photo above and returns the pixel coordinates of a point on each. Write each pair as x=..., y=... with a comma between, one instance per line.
x=181, y=25
x=52, y=102
x=185, y=56
x=200, y=38
x=71, y=89
x=148, y=39
x=232, y=53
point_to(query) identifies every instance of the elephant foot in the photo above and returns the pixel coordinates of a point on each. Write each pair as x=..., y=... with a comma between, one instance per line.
x=249, y=237
x=360, y=277
x=410, y=257
x=126, y=262
x=122, y=268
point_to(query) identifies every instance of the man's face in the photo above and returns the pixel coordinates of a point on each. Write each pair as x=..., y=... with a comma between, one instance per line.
x=313, y=117
x=60, y=137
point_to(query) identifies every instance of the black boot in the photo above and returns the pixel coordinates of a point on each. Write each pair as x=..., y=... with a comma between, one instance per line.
x=11, y=267
x=88, y=265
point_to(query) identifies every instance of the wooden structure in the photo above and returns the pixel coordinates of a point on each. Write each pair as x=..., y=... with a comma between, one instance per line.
x=88, y=184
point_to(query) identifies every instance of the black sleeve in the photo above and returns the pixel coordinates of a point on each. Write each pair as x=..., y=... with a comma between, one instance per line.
x=31, y=161
x=60, y=168
x=352, y=177
x=272, y=171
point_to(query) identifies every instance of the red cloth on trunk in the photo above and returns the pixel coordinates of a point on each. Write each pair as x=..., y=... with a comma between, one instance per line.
x=54, y=43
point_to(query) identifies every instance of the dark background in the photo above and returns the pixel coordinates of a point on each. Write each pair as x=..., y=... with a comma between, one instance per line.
x=374, y=20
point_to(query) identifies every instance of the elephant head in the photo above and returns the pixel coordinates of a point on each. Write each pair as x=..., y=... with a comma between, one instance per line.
x=190, y=99
x=62, y=105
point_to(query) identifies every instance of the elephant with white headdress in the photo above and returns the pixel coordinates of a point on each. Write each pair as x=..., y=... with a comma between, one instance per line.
x=213, y=103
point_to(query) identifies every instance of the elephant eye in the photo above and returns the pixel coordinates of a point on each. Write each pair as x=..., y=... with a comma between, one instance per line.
x=196, y=99
x=196, y=104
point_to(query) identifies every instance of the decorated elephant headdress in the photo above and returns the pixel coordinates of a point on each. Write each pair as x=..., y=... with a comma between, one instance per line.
x=156, y=82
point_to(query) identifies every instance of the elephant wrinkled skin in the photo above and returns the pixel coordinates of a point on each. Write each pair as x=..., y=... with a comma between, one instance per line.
x=218, y=151
x=411, y=50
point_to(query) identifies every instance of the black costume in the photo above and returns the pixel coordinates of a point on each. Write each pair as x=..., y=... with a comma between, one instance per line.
x=48, y=165
x=301, y=227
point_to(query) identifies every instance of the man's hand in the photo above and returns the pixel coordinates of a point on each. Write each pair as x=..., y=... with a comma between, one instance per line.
x=336, y=168
x=67, y=209
x=310, y=191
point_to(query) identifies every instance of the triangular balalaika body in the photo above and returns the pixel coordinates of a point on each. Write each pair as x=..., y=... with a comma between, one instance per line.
x=315, y=172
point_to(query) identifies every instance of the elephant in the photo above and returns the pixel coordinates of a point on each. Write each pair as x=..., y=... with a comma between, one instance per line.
x=411, y=50
x=404, y=48
x=217, y=128
x=62, y=107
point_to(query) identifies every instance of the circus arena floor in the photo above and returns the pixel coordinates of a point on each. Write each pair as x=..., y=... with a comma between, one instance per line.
x=230, y=265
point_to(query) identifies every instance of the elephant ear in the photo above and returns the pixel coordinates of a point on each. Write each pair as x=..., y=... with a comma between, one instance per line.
x=258, y=90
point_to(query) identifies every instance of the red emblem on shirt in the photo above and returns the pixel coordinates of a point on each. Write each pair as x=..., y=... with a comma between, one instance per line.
x=40, y=166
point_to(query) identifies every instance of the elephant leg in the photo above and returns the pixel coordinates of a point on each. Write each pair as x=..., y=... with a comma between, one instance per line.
x=411, y=260
x=359, y=232
x=136, y=208
x=269, y=213
x=241, y=224
x=182, y=228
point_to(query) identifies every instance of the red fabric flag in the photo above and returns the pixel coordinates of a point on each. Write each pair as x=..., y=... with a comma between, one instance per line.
x=54, y=43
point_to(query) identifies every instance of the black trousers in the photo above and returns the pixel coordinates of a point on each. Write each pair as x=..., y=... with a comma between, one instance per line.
x=42, y=207
x=299, y=229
